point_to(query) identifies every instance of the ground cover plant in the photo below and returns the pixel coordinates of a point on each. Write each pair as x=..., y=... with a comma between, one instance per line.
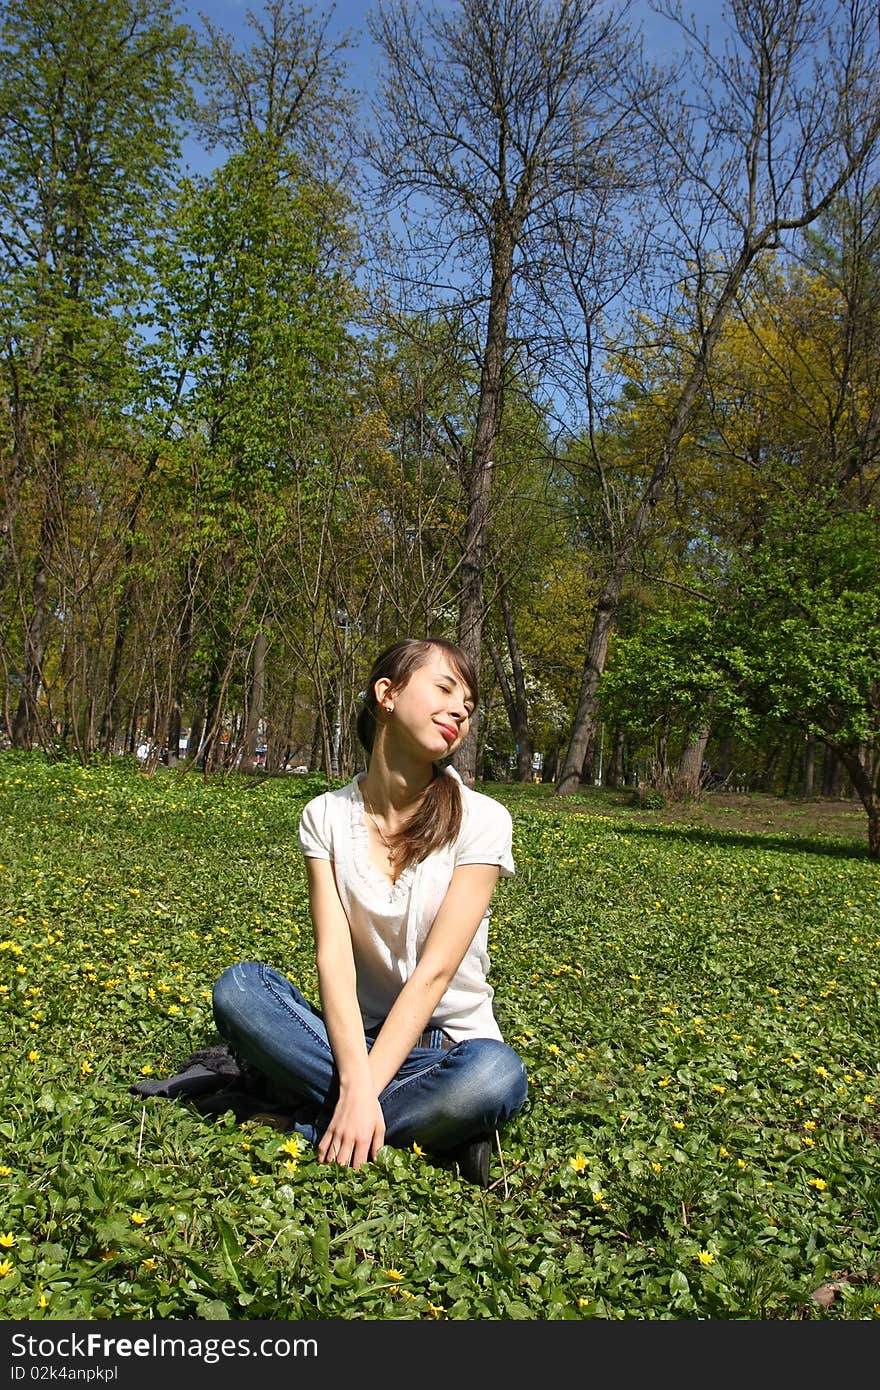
x=696, y=1005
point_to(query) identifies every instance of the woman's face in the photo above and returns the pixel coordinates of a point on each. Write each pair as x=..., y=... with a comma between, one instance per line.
x=434, y=707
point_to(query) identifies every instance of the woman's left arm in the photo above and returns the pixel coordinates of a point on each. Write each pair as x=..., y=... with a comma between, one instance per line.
x=452, y=931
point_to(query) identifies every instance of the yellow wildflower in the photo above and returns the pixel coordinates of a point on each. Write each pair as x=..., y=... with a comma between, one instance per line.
x=579, y=1162
x=33, y=1055
x=8, y=1240
x=418, y=1150
x=4, y=1171
x=706, y=1257
x=394, y=1274
x=138, y=1218
x=819, y=1183
x=6, y=1267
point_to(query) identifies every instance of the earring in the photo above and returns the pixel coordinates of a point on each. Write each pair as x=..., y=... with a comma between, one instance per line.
x=390, y=708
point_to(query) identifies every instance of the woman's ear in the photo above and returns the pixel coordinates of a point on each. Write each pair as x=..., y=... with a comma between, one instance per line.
x=382, y=690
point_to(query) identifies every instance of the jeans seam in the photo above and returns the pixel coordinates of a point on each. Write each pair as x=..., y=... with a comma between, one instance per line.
x=394, y=1086
x=297, y=1015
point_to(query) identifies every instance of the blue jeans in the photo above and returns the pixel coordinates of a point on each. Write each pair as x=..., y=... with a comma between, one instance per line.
x=438, y=1099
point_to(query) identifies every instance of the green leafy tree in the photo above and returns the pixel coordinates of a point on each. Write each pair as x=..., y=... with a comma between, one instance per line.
x=802, y=642
x=252, y=346
x=773, y=129
x=91, y=100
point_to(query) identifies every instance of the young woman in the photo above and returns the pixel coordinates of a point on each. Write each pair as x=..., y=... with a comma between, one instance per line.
x=401, y=863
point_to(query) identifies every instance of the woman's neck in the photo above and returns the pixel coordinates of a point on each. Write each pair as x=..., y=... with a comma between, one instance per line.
x=397, y=788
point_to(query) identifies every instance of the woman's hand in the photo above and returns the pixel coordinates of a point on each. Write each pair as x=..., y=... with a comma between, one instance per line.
x=355, y=1133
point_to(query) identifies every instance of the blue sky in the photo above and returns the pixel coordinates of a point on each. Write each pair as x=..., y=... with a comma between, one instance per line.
x=352, y=15
x=662, y=37
x=348, y=15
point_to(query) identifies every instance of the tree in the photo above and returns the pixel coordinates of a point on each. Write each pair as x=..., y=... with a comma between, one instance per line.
x=803, y=641
x=493, y=112
x=252, y=336
x=665, y=687
x=91, y=99
x=768, y=135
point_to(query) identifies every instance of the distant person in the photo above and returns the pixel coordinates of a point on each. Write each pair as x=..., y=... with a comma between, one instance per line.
x=402, y=864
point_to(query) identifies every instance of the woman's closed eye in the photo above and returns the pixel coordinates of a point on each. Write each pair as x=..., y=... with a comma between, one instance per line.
x=449, y=690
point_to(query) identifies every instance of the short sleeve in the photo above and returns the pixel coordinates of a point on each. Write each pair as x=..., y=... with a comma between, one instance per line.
x=314, y=829
x=486, y=837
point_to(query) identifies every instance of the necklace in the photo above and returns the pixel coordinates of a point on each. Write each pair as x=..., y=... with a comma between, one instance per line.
x=389, y=849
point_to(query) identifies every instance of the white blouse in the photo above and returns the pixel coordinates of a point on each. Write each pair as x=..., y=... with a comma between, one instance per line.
x=389, y=922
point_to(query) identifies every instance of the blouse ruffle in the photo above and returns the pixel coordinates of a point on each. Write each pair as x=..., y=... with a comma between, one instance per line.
x=370, y=874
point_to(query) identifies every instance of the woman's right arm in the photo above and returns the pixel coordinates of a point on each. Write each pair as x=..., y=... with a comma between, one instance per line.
x=357, y=1129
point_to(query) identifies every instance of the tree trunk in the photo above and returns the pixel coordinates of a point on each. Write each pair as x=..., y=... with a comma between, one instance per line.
x=194, y=743
x=317, y=747
x=771, y=761
x=507, y=225
x=809, y=776
x=832, y=773
x=586, y=774
x=789, y=769
x=255, y=705
x=616, y=774
x=26, y=724
x=124, y=612
x=660, y=778
x=174, y=723
x=213, y=702
x=725, y=756
x=865, y=779
x=12, y=481
x=514, y=695
x=688, y=776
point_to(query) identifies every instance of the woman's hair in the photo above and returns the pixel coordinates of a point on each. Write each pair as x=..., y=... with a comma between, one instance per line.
x=437, y=819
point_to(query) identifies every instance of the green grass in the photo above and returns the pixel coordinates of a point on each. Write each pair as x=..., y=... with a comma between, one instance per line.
x=697, y=1008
